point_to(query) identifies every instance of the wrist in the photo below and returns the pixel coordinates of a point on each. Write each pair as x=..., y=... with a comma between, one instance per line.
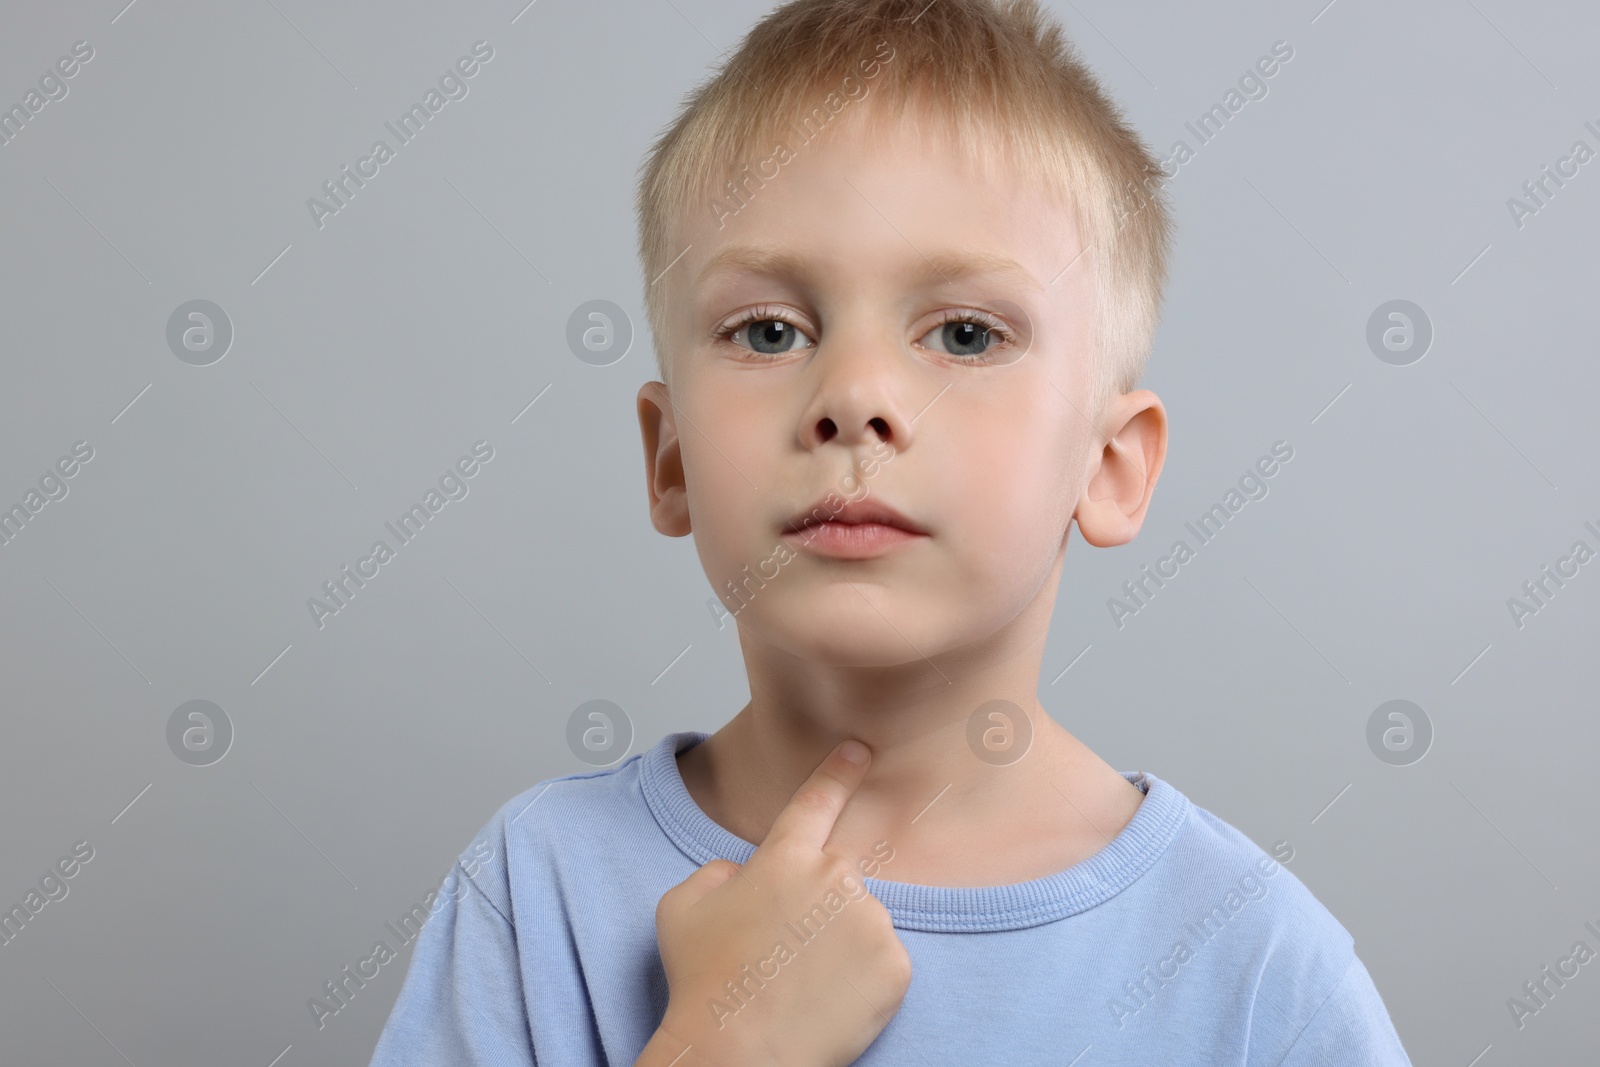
x=663, y=1050
x=680, y=1043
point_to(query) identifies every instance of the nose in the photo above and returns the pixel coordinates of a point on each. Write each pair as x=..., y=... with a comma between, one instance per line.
x=859, y=400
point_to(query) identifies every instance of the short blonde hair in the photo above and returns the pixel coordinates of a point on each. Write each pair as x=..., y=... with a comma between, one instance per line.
x=995, y=70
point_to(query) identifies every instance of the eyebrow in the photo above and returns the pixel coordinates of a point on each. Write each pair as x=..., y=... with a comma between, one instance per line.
x=930, y=269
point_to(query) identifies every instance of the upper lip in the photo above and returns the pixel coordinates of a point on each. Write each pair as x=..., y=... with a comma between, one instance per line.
x=853, y=512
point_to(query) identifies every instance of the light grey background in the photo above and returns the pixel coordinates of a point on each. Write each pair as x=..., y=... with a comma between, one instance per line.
x=371, y=353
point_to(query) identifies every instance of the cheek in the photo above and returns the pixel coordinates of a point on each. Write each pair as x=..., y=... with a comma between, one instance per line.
x=729, y=517
x=1021, y=515
x=1012, y=488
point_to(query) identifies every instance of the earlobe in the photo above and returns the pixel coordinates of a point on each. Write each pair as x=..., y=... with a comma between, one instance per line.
x=1122, y=476
x=663, y=461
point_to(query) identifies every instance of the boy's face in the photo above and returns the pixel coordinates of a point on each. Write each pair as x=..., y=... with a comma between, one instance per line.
x=841, y=382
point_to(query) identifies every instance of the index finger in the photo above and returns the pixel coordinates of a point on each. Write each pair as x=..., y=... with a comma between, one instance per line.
x=808, y=818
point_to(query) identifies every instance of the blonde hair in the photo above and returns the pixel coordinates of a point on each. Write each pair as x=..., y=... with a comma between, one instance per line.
x=995, y=70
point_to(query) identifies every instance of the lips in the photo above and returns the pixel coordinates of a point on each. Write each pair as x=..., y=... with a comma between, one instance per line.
x=853, y=513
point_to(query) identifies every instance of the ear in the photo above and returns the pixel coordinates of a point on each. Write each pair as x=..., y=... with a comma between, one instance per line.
x=663, y=461
x=1122, y=476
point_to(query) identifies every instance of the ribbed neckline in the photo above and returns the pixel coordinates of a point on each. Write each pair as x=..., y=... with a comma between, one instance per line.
x=940, y=909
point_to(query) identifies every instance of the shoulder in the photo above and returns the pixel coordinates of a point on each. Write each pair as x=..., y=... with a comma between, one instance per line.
x=597, y=794
x=1269, y=932
x=1228, y=864
x=528, y=835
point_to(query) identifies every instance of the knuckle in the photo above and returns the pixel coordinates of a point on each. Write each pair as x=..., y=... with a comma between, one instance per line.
x=788, y=857
x=837, y=869
x=897, y=964
x=813, y=798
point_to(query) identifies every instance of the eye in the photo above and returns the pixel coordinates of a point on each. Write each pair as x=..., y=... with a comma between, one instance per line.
x=763, y=332
x=968, y=335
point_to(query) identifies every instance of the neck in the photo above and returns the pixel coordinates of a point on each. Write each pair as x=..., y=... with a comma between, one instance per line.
x=938, y=778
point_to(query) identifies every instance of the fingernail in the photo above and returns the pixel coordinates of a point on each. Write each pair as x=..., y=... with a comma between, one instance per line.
x=854, y=751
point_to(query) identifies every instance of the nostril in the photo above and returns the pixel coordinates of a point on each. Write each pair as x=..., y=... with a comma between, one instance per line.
x=826, y=430
x=881, y=426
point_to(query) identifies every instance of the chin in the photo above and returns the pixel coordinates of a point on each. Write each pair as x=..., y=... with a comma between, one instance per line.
x=836, y=650
x=840, y=634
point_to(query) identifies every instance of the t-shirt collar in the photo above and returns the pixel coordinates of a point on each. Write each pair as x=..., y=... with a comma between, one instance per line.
x=941, y=909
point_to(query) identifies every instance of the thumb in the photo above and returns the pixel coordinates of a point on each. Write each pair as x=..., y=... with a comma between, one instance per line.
x=694, y=888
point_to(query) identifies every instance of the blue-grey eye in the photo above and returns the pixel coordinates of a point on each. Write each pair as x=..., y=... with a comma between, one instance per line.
x=963, y=337
x=770, y=337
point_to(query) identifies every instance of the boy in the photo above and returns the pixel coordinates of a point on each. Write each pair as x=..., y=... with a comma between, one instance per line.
x=904, y=266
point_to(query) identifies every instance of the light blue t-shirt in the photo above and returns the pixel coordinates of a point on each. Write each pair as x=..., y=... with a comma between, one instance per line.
x=1180, y=942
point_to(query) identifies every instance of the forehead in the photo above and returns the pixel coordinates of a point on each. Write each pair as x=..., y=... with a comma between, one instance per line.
x=923, y=268
x=885, y=196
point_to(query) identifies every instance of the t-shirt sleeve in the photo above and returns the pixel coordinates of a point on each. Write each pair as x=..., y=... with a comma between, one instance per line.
x=1351, y=1029
x=462, y=1000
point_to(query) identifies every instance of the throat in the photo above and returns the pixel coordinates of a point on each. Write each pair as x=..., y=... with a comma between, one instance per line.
x=964, y=838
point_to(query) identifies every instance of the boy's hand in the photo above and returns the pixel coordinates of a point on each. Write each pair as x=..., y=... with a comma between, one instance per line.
x=821, y=1003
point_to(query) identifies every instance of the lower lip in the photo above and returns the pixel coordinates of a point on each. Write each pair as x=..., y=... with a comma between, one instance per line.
x=851, y=540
